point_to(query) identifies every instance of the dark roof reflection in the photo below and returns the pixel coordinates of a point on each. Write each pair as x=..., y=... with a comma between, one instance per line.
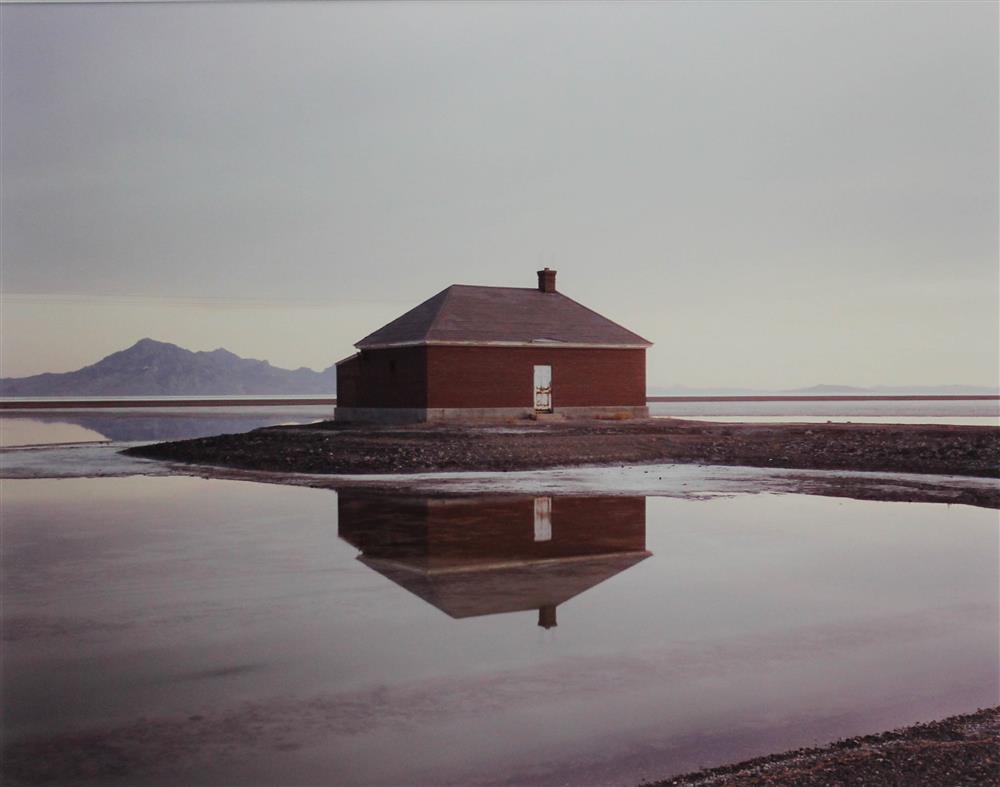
x=483, y=556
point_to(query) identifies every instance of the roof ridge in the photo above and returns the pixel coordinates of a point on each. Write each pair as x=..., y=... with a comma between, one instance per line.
x=606, y=319
x=440, y=309
x=482, y=314
x=407, y=313
x=491, y=287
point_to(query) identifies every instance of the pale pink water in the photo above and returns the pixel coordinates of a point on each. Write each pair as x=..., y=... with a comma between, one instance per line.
x=180, y=630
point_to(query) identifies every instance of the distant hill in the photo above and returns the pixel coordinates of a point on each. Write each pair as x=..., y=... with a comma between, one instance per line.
x=151, y=368
x=898, y=390
x=831, y=390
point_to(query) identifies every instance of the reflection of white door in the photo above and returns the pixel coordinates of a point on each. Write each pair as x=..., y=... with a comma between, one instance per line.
x=543, y=389
x=543, y=519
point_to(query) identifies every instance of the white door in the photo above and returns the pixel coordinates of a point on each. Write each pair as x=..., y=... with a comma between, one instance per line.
x=543, y=389
x=543, y=519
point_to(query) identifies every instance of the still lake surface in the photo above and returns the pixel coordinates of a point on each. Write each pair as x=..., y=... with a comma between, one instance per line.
x=145, y=425
x=128, y=425
x=183, y=630
x=962, y=412
x=164, y=630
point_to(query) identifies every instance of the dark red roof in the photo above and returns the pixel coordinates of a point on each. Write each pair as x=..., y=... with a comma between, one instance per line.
x=463, y=314
x=515, y=586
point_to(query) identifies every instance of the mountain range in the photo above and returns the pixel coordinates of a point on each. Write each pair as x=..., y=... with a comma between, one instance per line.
x=152, y=368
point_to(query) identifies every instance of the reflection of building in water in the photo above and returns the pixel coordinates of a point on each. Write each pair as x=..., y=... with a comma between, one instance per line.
x=483, y=556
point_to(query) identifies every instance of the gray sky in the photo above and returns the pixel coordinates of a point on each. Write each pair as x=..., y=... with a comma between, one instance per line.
x=776, y=194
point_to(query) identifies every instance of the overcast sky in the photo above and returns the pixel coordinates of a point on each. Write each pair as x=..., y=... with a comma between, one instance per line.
x=776, y=194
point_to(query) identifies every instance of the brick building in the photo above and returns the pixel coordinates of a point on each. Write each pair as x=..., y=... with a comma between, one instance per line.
x=486, y=556
x=494, y=353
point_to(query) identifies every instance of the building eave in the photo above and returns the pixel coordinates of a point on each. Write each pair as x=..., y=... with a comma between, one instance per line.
x=348, y=358
x=547, y=344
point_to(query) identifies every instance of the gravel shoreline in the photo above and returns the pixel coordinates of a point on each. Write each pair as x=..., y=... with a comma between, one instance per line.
x=332, y=448
x=954, y=751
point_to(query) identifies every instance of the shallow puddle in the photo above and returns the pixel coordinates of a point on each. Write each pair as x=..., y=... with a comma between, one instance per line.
x=129, y=425
x=32, y=431
x=180, y=630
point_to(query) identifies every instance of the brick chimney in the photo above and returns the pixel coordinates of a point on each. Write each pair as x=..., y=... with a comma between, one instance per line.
x=546, y=281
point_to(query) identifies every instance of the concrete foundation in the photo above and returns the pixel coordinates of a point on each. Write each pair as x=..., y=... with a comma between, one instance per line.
x=410, y=415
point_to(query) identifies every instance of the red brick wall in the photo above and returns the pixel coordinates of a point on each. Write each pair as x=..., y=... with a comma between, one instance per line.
x=505, y=529
x=503, y=376
x=491, y=377
x=459, y=531
x=347, y=382
x=384, y=378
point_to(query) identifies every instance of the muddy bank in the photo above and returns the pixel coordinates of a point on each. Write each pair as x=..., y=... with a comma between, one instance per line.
x=959, y=750
x=341, y=449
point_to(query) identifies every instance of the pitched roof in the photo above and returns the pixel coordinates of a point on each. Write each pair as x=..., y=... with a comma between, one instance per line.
x=513, y=587
x=463, y=314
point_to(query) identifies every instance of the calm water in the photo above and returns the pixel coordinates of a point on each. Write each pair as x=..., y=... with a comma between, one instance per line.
x=181, y=630
x=972, y=413
x=125, y=425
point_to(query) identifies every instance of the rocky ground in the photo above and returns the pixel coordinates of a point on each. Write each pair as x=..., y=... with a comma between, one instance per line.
x=956, y=751
x=329, y=447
